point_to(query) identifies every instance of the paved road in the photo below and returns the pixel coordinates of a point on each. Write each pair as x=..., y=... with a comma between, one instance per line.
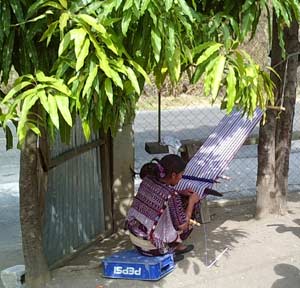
x=10, y=239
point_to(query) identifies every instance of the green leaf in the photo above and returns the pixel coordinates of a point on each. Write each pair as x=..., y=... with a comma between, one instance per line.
x=16, y=89
x=78, y=35
x=218, y=74
x=17, y=9
x=64, y=44
x=199, y=48
x=281, y=11
x=253, y=99
x=63, y=20
x=126, y=21
x=226, y=36
x=93, y=70
x=188, y=53
x=103, y=60
x=128, y=5
x=64, y=3
x=247, y=5
x=296, y=8
x=208, y=52
x=52, y=4
x=156, y=43
x=28, y=103
x=42, y=16
x=140, y=70
x=34, y=128
x=24, y=77
x=60, y=87
x=86, y=130
x=186, y=9
x=64, y=131
x=7, y=56
x=9, y=138
x=33, y=9
x=144, y=6
x=116, y=78
x=44, y=100
x=91, y=21
x=208, y=75
x=133, y=79
x=171, y=45
x=54, y=83
x=202, y=67
x=99, y=107
x=109, y=90
x=231, y=89
x=174, y=66
x=49, y=32
x=41, y=77
x=6, y=18
x=273, y=71
x=247, y=22
x=63, y=107
x=53, y=111
x=168, y=4
x=83, y=54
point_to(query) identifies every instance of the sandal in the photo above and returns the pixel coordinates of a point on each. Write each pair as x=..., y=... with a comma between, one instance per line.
x=187, y=249
x=178, y=258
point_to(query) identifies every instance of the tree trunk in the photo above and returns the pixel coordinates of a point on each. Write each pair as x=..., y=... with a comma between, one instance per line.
x=284, y=128
x=266, y=165
x=37, y=272
x=275, y=136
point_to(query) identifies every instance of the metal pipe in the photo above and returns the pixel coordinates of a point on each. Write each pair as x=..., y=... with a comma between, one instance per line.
x=159, y=116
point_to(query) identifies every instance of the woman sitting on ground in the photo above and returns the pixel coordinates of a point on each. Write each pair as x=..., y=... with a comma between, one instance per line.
x=158, y=220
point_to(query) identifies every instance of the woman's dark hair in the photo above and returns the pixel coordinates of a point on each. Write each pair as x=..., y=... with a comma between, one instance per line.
x=163, y=168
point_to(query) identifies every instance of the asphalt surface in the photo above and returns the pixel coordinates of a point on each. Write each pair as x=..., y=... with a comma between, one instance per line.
x=10, y=235
x=198, y=123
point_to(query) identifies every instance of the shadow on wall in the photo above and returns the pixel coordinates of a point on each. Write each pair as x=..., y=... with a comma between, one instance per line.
x=290, y=276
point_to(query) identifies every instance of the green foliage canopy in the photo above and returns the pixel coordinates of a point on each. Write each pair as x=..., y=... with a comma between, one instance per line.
x=91, y=58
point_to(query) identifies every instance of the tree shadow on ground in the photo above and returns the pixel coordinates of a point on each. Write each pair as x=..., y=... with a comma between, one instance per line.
x=294, y=196
x=218, y=237
x=213, y=240
x=223, y=232
x=290, y=276
x=210, y=240
x=281, y=228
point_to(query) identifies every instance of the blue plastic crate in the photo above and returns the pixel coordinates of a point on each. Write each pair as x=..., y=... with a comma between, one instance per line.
x=131, y=264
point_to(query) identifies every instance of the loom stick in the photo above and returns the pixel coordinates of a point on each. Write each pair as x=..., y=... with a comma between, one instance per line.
x=194, y=222
x=217, y=258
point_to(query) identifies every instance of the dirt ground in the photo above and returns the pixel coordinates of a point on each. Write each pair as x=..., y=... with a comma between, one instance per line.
x=260, y=254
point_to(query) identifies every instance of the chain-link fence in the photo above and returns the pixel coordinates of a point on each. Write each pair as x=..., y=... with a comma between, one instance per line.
x=189, y=116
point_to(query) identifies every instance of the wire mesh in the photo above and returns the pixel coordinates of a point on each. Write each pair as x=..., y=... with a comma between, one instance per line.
x=193, y=117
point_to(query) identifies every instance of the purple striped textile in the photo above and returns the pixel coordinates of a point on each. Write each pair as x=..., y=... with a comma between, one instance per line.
x=160, y=209
x=217, y=151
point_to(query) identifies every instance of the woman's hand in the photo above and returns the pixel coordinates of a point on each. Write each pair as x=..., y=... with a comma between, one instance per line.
x=184, y=226
x=194, y=198
x=186, y=192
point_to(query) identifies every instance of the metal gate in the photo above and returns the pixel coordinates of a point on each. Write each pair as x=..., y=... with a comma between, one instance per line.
x=75, y=212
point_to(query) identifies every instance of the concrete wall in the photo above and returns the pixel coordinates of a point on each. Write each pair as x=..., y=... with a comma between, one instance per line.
x=122, y=182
